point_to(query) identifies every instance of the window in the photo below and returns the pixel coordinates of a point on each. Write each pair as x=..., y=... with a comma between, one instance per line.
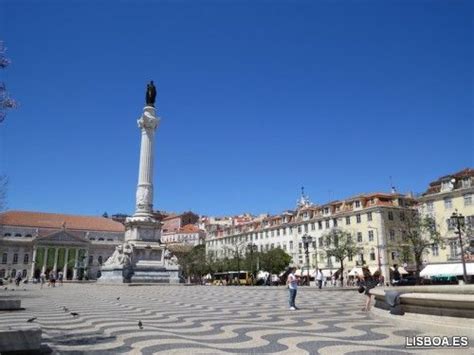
x=28, y=236
x=327, y=223
x=394, y=255
x=7, y=235
x=348, y=220
x=24, y=273
x=15, y=258
x=429, y=206
x=402, y=216
x=320, y=241
x=435, y=250
x=91, y=259
x=110, y=240
x=2, y=273
x=392, y=234
x=357, y=204
x=349, y=257
x=284, y=231
x=272, y=233
x=26, y=259
x=369, y=216
x=99, y=259
x=390, y=215
x=466, y=182
x=284, y=246
x=278, y=232
x=18, y=235
x=451, y=225
x=313, y=226
x=359, y=237
x=320, y=225
x=358, y=218
x=467, y=200
x=448, y=203
x=101, y=239
x=334, y=222
x=326, y=210
x=4, y=258
x=372, y=256
x=371, y=236
x=291, y=245
x=453, y=249
x=306, y=228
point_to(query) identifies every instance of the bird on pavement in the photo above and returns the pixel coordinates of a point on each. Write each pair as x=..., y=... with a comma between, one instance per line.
x=65, y=309
x=31, y=320
x=118, y=298
x=140, y=324
x=74, y=314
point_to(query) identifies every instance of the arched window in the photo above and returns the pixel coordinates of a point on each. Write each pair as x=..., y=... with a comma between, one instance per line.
x=91, y=238
x=99, y=259
x=24, y=273
x=101, y=239
x=18, y=235
x=7, y=235
x=28, y=236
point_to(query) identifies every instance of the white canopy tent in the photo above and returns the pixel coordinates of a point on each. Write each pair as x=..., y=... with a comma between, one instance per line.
x=446, y=270
x=358, y=271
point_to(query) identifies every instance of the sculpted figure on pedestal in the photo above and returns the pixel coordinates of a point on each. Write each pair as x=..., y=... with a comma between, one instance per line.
x=150, y=94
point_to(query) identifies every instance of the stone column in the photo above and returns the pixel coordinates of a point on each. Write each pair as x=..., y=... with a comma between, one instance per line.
x=86, y=263
x=33, y=263
x=148, y=123
x=66, y=256
x=45, y=261
x=55, y=267
x=74, y=273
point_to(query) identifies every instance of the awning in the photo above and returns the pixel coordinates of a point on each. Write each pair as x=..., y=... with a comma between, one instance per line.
x=446, y=270
x=401, y=270
x=329, y=272
x=355, y=271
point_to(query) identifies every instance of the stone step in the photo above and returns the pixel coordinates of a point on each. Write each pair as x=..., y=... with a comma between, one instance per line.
x=20, y=339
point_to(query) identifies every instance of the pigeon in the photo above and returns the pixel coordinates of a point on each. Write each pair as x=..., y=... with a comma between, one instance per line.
x=6, y=288
x=118, y=298
x=65, y=309
x=74, y=314
x=31, y=320
x=140, y=324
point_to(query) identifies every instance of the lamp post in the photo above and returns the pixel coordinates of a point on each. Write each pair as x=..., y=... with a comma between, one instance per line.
x=306, y=241
x=252, y=248
x=458, y=220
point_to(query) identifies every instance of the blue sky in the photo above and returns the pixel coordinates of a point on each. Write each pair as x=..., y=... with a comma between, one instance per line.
x=257, y=99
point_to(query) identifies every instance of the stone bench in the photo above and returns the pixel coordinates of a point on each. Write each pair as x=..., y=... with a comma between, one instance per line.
x=10, y=304
x=431, y=300
x=20, y=339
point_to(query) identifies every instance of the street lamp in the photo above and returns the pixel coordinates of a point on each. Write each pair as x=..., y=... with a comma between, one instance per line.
x=306, y=241
x=252, y=248
x=458, y=220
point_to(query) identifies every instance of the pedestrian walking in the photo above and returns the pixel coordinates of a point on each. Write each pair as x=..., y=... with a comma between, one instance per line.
x=60, y=278
x=292, y=288
x=42, y=279
x=319, y=278
x=18, y=278
x=52, y=279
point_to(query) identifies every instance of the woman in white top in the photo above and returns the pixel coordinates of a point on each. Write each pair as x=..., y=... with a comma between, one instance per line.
x=292, y=288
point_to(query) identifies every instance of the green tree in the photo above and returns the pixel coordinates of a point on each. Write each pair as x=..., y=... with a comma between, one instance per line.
x=418, y=234
x=274, y=261
x=339, y=244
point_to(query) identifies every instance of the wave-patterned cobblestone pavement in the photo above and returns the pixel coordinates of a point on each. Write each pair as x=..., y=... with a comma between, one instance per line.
x=203, y=319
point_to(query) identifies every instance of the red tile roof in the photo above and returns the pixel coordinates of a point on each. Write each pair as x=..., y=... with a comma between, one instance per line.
x=56, y=220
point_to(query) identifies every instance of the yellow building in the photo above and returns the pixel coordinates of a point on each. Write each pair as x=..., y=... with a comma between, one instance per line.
x=444, y=196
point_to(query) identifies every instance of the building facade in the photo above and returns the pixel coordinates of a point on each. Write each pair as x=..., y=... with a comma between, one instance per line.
x=371, y=219
x=35, y=242
x=450, y=193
